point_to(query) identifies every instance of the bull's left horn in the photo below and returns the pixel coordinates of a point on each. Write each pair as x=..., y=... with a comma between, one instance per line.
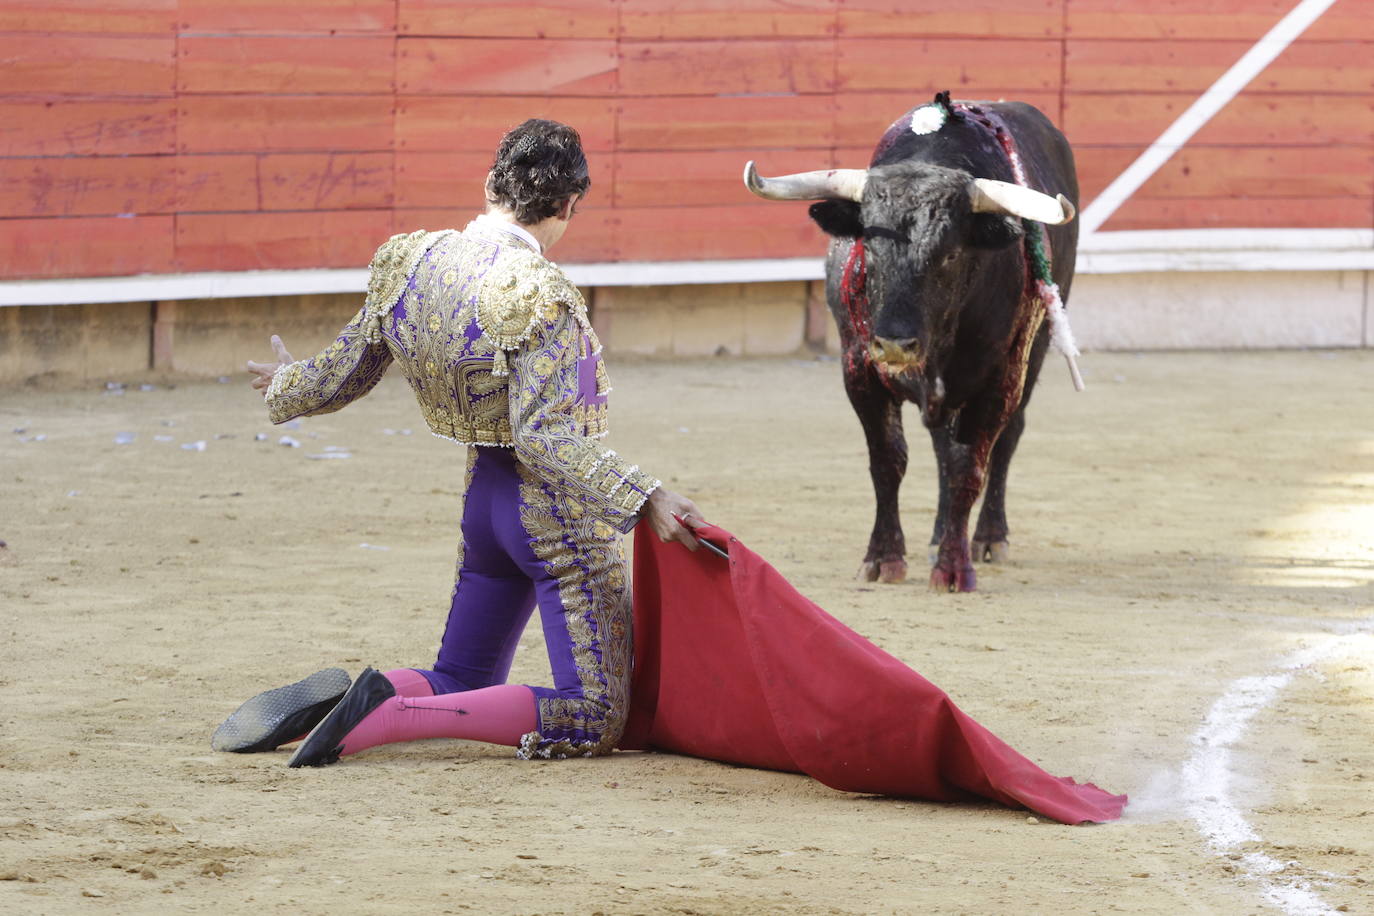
x=990, y=196
x=825, y=184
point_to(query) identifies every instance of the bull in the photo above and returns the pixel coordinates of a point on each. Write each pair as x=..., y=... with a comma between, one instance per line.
x=949, y=261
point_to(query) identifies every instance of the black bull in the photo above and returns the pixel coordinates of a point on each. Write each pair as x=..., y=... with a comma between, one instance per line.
x=933, y=288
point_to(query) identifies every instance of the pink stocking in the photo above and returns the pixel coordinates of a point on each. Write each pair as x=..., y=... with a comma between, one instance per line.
x=499, y=715
x=409, y=683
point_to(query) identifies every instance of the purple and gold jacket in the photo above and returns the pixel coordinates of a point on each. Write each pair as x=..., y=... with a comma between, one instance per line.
x=496, y=344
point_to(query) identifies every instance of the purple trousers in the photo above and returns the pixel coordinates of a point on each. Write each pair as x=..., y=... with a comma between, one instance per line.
x=526, y=543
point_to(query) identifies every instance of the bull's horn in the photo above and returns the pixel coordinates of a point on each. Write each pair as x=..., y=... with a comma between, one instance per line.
x=836, y=184
x=990, y=196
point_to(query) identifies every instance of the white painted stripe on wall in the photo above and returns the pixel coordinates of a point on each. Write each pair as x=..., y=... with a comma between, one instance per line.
x=1103, y=253
x=1251, y=64
x=161, y=287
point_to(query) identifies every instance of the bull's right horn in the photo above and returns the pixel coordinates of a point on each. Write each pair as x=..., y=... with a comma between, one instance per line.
x=989, y=196
x=825, y=184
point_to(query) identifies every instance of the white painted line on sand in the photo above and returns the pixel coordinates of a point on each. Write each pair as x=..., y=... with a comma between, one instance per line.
x=1251, y=64
x=1207, y=776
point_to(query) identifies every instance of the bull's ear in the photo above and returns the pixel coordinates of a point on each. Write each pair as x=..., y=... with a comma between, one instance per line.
x=838, y=217
x=993, y=230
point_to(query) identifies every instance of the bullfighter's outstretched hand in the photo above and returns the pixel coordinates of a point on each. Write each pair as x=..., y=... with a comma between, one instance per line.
x=263, y=372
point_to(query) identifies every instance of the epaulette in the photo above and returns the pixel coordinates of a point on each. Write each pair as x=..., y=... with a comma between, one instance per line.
x=523, y=290
x=391, y=267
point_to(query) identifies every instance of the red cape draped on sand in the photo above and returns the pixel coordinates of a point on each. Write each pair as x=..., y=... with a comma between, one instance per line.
x=733, y=664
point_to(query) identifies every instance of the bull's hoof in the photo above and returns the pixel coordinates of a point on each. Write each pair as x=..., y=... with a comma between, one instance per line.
x=991, y=551
x=953, y=579
x=889, y=572
x=892, y=571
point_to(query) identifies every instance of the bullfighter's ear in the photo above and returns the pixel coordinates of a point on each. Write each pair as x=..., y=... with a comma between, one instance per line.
x=993, y=230
x=838, y=217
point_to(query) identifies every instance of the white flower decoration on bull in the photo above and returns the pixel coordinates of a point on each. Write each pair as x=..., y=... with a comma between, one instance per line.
x=928, y=119
x=986, y=195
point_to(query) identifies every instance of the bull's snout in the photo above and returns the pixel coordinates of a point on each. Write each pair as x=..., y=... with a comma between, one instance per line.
x=896, y=353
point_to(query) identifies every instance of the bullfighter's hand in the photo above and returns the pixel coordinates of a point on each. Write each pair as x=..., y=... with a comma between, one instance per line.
x=659, y=510
x=263, y=372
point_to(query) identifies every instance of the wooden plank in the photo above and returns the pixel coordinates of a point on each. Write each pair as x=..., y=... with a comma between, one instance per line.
x=1308, y=172
x=477, y=123
x=1320, y=66
x=496, y=19
x=1252, y=118
x=96, y=65
x=212, y=124
x=1187, y=19
x=864, y=116
x=340, y=64
x=445, y=180
x=779, y=230
x=1098, y=167
x=209, y=184
x=1247, y=213
x=725, y=67
x=279, y=241
x=713, y=122
x=972, y=19
x=728, y=19
x=1161, y=66
x=701, y=178
x=92, y=246
x=109, y=17
x=296, y=16
x=87, y=186
x=968, y=68
x=79, y=127
x=1174, y=19
x=1346, y=20
x=326, y=181
x=505, y=66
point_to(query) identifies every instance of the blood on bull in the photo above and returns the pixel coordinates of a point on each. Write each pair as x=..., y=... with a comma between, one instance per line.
x=950, y=259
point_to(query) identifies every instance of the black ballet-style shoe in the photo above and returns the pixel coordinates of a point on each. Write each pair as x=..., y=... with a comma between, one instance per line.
x=324, y=743
x=276, y=717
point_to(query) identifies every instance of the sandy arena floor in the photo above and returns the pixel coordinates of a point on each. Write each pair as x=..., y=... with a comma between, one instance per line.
x=1187, y=618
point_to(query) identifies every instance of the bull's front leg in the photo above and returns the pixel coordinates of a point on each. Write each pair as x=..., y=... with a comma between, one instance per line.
x=880, y=414
x=964, y=450
x=963, y=469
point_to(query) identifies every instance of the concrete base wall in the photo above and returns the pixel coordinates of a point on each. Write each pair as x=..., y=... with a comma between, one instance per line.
x=74, y=342
x=734, y=319
x=1203, y=311
x=1145, y=311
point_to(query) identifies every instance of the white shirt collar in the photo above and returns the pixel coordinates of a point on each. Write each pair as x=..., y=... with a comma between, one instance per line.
x=514, y=229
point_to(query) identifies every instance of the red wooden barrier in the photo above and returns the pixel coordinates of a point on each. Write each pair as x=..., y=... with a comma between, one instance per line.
x=242, y=134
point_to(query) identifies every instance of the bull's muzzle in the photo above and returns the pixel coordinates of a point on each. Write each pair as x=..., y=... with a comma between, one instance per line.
x=900, y=353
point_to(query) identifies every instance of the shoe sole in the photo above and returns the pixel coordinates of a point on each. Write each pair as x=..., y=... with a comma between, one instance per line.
x=276, y=717
x=325, y=742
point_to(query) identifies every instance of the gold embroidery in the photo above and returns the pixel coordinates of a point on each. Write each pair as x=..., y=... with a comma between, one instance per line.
x=555, y=437
x=522, y=290
x=391, y=267
x=344, y=371
x=584, y=555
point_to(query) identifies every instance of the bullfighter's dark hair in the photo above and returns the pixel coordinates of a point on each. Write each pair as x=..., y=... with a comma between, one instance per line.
x=538, y=165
